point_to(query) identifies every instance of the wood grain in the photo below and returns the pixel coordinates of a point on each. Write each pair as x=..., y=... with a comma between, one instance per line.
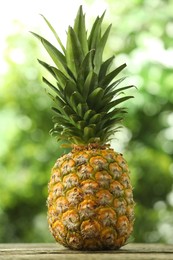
x=55, y=251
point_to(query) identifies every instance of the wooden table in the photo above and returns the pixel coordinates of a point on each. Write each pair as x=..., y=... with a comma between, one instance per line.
x=54, y=251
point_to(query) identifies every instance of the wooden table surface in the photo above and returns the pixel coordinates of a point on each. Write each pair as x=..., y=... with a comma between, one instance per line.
x=54, y=251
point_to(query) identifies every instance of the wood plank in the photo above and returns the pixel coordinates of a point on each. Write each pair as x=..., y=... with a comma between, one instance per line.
x=55, y=251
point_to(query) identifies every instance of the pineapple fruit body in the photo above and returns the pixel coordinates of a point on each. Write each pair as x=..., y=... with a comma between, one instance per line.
x=90, y=202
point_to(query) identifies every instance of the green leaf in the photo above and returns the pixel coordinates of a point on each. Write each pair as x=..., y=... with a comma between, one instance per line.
x=89, y=132
x=81, y=125
x=57, y=129
x=80, y=30
x=111, y=123
x=104, y=68
x=95, y=119
x=89, y=114
x=99, y=50
x=55, y=54
x=55, y=34
x=100, y=124
x=60, y=121
x=69, y=89
x=68, y=110
x=57, y=74
x=86, y=95
x=114, y=85
x=95, y=96
x=71, y=131
x=116, y=102
x=76, y=140
x=60, y=77
x=105, y=135
x=95, y=33
x=48, y=67
x=76, y=99
x=59, y=115
x=90, y=83
x=113, y=93
x=56, y=90
x=62, y=110
x=81, y=109
x=116, y=111
x=74, y=54
x=85, y=69
x=74, y=118
x=109, y=77
x=60, y=103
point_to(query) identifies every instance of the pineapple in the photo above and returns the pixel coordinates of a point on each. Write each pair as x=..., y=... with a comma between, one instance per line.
x=90, y=201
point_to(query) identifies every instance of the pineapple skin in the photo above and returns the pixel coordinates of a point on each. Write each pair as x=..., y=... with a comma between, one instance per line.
x=90, y=201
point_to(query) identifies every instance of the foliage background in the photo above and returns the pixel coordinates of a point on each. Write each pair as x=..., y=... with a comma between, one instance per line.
x=141, y=35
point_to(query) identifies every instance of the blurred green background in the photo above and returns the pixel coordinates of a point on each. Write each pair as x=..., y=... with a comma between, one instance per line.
x=141, y=36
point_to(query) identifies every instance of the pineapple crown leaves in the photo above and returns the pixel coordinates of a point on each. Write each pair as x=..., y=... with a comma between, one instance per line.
x=86, y=94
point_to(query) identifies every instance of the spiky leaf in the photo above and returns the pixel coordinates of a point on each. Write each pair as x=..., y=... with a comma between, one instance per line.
x=99, y=50
x=55, y=33
x=74, y=54
x=87, y=97
x=80, y=30
x=95, y=33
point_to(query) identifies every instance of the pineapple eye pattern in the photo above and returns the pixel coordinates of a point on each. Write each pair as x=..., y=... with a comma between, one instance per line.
x=97, y=205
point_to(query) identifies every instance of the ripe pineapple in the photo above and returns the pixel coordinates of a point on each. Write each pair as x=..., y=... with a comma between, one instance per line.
x=90, y=201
